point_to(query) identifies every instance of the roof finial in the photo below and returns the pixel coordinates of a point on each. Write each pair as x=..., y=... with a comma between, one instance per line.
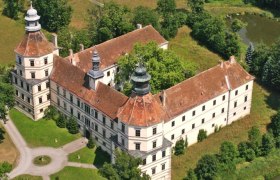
x=31, y=7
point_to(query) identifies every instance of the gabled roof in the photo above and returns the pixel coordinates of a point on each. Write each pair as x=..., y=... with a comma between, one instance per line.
x=70, y=77
x=142, y=111
x=202, y=87
x=111, y=50
x=34, y=44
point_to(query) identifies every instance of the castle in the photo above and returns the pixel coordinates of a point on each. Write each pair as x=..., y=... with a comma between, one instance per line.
x=144, y=125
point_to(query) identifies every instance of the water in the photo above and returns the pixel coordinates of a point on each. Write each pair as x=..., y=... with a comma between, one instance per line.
x=259, y=29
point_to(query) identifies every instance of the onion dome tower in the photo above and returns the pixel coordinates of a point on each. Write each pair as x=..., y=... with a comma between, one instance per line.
x=140, y=80
x=95, y=73
x=32, y=20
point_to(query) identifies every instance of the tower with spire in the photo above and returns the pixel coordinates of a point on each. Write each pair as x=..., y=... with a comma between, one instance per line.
x=34, y=63
x=95, y=74
x=140, y=80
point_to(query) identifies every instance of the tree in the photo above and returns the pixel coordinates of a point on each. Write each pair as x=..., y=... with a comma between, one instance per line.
x=190, y=175
x=237, y=25
x=255, y=138
x=72, y=125
x=90, y=143
x=268, y=144
x=228, y=152
x=5, y=167
x=2, y=135
x=55, y=14
x=180, y=147
x=111, y=21
x=197, y=6
x=13, y=7
x=245, y=151
x=207, y=167
x=202, y=134
x=249, y=53
x=277, y=142
x=146, y=16
x=50, y=113
x=124, y=168
x=164, y=66
x=61, y=121
x=166, y=7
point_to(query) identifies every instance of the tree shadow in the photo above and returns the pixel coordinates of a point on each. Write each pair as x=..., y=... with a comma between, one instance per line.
x=2, y=132
x=101, y=157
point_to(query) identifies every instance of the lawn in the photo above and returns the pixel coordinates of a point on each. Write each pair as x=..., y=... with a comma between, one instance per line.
x=264, y=105
x=74, y=173
x=28, y=177
x=42, y=132
x=90, y=156
x=8, y=148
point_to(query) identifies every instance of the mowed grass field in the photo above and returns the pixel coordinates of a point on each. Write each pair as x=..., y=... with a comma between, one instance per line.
x=42, y=132
x=8, y=151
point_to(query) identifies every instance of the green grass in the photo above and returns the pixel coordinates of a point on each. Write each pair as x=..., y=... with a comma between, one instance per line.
x=90, y=156
x=73, y=173
x=264, y=105
x=28, y=177
x=42, y=132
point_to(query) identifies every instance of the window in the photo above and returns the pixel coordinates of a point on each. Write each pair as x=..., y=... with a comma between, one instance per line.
x=46, y=60
x=246, y=98
x=247, y=87
x=71, y=98
x=137, y=146
x=183, y=118
x=79, y=115
x=20, y=72
x=78, y=102
x=48, y=96
x=173, y=123
x=41, y=110
x=71, y=111
x=213, y=115
x=64, y=93
x=137, y=133
x=96, y=127
x=96, y=138
x=104, y=133
x=153, y=170
x=19, y=60
x=57, y=89
x=46, y=73
x=27, y=87
x=40, y=100
x=236, y=92
x=108, y=73
x=202, y=121
x=39, y=88
x=21, y=84
x=213, y=125
x=245, y=108
x=154, y=144
x=123, y=141
x=224, y=97
x=104, y=120
x=193, y=113
x=163, y=153
x=16, y=81
x=96, y=114
x=234, y=114
x=31, y=62
x=33, y=75
x=22, y=96
x=104, y=144
x=172, y=136
x=123, y=127
x=163, y=167
x=112, y=125
x=183, y=131
x=193, y=126
x=64, y=105
x=154, y=157
x=58, y=102
x=87, y=122
x=203, y=108
x=223, y=110
x=235, y=104
x=154, y=131
x=87, y=109
x=214, y=102
x=144, y=162
x=17, y=92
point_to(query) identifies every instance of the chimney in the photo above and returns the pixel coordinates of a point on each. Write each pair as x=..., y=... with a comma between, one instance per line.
x=71, y=57
x=163, y=97
x=82, y=47
x=139, y=26
x=232, y=59
x=54, y=39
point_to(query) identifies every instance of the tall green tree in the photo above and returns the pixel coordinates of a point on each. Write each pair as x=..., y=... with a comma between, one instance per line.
x=108, y=22
x=249, y=54
x=13, y=7
x=145, y=16
x=72, y=125
x=166, y=7
x=275, y=124
x=124, y=168
x=55, y=14
x=179, y=147
x=165, y=67
x=197, y=6
x=255, y=138
x=268, y=144
x=228, y=152
x=207, y=167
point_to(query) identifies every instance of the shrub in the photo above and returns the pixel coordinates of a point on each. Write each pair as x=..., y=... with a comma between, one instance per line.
x=50, y=112
x=90, y=143
x=228, y=152
x=207, y=167
x=72, y=126
x=202, y=134
x=245, y=151
x=5, y=167
x=180, y=147
x=277, y=142
x=61, y=121
x=191, y=175
x=267, y=144
x=250, y=155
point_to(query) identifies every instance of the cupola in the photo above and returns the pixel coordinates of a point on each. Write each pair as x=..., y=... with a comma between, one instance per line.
x=140, y=80
x=32, y=20
x=95, y=74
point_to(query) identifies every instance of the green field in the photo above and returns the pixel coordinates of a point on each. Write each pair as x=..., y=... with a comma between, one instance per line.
x=73, y=173
x=42, y=132
x=28, y=177
x=94, y=156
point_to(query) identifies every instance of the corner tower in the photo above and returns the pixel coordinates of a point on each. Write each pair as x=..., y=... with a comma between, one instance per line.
x=34, y=63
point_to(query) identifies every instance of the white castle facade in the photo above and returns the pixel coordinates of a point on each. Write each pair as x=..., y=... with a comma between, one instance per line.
x=144, y=125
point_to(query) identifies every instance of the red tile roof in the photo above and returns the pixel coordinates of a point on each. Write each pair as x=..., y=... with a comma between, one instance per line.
x=111, y=50
x=34, y=44
x=142, y=111
x=202, y=87
x=73, y=79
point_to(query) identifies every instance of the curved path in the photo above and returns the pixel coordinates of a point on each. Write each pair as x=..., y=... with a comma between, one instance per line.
x=27, y=154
